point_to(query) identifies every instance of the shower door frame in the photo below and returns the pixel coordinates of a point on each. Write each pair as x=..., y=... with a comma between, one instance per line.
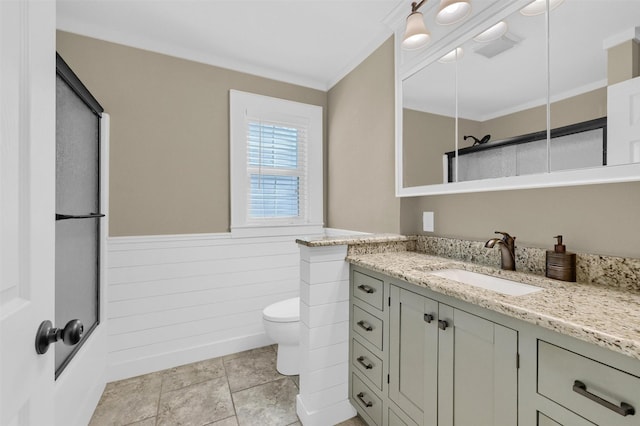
x=79, y=387
x=71, y=79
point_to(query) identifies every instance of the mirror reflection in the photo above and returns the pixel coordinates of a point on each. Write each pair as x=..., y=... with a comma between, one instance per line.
x=501, y=80
x=593, y=52
x=428, y=124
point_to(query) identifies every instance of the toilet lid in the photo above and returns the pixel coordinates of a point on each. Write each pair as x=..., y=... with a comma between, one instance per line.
x=284, y=311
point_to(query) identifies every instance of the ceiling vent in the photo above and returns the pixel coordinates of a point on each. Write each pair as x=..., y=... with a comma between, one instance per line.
x=496, y=47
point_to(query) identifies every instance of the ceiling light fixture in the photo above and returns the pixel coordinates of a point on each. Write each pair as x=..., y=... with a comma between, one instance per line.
x=492, y=33
x=538, y=7
x=453, y=11
x=416, y=35
x=452, y=56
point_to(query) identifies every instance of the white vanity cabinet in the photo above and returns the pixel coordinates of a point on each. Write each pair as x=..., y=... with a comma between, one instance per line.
x=447, y=364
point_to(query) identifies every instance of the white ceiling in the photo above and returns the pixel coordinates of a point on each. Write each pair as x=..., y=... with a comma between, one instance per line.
x=313, y=43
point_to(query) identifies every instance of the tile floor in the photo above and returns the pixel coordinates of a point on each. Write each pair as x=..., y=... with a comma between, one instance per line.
x=242, y=389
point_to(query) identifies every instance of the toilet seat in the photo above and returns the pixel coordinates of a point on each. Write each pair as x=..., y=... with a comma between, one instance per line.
x=283, y=311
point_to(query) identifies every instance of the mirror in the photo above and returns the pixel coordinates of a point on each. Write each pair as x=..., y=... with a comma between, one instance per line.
x=429, y=123
x=499, y=88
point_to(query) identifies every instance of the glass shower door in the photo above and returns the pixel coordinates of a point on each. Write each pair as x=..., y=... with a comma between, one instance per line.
x=77, y=260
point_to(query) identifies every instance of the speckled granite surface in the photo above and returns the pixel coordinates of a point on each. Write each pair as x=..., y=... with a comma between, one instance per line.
x=568, y=308
x=354, y=239
x=619, y=272
x=386, y=247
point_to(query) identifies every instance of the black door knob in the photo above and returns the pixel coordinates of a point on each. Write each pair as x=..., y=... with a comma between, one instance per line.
x=47, y=334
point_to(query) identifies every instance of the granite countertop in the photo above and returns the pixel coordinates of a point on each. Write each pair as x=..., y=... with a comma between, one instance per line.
x=605, y=316
x=352, y=239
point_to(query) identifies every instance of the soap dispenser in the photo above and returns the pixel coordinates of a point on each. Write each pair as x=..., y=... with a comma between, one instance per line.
x=561, y=265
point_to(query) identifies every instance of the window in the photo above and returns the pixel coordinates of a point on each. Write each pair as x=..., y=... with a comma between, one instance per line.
x=276, y=162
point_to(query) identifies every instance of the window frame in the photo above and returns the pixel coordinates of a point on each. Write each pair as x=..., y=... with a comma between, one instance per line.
x=243, y=105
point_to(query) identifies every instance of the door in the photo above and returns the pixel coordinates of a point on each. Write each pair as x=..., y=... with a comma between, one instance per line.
x=27, y=176
x=413, y=355
x=478, y=374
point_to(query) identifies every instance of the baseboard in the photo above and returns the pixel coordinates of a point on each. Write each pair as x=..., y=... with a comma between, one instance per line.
x=172, y=359
x=331, y=415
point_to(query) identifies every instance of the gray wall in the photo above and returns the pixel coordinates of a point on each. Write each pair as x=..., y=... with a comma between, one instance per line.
x=169, y=171
x=361, y=150
x=600, y=219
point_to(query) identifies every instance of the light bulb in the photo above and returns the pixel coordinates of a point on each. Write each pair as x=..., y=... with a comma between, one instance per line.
x=492, y=33
x=538, y=7
x=453, y=11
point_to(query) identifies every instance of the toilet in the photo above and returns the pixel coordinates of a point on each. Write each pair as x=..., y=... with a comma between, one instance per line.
x=282, y=324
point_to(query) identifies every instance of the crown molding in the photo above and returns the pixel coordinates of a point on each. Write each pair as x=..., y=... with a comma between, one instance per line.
x=140, y=42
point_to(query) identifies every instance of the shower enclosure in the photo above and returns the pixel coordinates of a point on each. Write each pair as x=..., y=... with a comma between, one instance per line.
x=77, y=233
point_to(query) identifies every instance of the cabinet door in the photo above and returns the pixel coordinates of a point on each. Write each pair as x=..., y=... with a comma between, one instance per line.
x=478, y=371
x=413, y=355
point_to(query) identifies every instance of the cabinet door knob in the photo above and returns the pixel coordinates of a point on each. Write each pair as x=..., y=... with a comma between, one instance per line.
x=442, y=324
x=624, y=409
x=428, y=318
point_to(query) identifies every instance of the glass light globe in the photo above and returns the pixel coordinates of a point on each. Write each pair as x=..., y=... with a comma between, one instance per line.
x=453, y=11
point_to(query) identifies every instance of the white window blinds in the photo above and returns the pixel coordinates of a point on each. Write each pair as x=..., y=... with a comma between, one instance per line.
x=276, y=169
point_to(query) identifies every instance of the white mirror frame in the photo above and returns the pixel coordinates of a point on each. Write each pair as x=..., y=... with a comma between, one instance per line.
x=493, y=13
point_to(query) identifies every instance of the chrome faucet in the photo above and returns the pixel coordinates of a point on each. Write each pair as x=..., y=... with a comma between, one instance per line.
x=507, y=250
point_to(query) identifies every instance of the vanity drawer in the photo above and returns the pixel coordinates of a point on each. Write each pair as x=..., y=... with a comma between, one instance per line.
x=368, y=289
x=366, y=399
x=546, y=421
x=595, y=391
x=366, y=363
x=367, y=326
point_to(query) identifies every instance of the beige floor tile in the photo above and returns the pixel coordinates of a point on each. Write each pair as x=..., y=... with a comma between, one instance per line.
x=128, y=401
x=296, y=380
x=355, y=421
x=189, y=374
x=198, y=404
x=151, y=421
x=272, y=404
x=249, y=352
x=251, y=369
x=230, y=421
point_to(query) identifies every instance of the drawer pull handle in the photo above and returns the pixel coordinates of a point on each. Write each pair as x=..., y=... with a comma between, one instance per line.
x=624, y=409
x=442, y=324
x=361, y=359
x=428, y=318
x=363, y=325
x=366, y=289
x=366, y=403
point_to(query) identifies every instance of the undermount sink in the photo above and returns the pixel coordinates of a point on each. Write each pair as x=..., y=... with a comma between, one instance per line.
x=500, y=285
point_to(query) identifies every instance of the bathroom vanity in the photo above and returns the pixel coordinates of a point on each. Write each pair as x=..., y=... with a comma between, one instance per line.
x=428, y=350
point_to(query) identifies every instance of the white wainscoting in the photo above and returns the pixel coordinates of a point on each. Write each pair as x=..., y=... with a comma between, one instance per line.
x=173, y=300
